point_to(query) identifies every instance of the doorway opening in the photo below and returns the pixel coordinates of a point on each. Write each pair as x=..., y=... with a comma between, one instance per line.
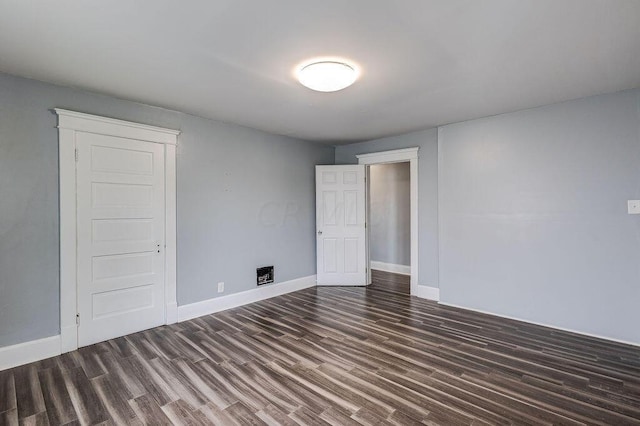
x=389, y=226
x=410, y=156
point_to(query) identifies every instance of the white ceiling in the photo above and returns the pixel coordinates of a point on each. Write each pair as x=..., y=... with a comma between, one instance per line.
x=424, y=62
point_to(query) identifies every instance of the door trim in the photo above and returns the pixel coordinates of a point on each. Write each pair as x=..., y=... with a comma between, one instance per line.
x=400, y=156
x=70, y=122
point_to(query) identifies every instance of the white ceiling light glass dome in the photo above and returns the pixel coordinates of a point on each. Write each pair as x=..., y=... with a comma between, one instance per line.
x=327, y=75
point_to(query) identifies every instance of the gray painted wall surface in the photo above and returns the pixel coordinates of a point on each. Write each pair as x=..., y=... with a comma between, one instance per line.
x=390, y=215
x=533, y=215
x=245, y=199
x=532, y=207
x=427, y=140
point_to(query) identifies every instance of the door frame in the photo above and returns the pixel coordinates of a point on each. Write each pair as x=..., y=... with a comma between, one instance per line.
x=70, y=122
x=399, y=156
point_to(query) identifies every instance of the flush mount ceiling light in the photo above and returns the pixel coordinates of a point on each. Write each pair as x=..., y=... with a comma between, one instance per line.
x=327, y=76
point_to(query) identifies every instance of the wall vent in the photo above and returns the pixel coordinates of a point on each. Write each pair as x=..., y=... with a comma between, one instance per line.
x=265, y=275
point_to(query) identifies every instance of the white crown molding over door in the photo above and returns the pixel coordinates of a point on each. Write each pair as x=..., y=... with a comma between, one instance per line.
x=401, y=156
x=69, y=123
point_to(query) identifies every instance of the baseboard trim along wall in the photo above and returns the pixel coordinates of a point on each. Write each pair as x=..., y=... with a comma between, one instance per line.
x=206, y=307
x=426, y=292
x=391, y=267
x=36, y=350
x=582, y=333
x=24, y=353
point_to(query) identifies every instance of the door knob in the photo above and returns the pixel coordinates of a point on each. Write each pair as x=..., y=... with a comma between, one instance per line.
x=319, y=232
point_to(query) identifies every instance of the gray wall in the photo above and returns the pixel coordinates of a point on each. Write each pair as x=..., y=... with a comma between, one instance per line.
x=533, y=220
x=390, y=215
x=532, y=210
x=427, y=140
x=245, y=199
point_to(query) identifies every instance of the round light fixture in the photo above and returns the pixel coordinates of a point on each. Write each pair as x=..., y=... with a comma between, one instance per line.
x=327, y=76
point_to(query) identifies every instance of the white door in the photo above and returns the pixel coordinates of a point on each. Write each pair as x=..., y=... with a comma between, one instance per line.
x=120, y=236
x=340, y=225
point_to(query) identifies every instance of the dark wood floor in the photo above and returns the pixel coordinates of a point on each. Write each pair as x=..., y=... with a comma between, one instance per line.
x=334, y=356
x=385, y=281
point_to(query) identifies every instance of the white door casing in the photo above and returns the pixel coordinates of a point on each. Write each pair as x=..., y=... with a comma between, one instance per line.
x=340, y=225
x=130, y=162
x=367, y=248
x=120, y=236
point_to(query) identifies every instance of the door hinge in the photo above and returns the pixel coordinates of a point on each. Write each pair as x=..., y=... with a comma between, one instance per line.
x=76, y=154
x=77, y=319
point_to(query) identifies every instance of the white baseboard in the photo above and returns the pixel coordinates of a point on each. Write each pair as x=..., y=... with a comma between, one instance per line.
x=426, y=292
x=210, y=306
x=36, y=350
x=391, y=267
x=597, y=336
x=24, y=353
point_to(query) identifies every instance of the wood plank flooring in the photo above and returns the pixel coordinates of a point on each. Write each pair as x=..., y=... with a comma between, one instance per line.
x=339, y=356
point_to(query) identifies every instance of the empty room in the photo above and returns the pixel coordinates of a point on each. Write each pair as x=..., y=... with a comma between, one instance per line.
x=356, y=212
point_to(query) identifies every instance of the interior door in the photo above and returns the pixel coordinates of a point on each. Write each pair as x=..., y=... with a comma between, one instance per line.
x=120, y=236
x=340, y=225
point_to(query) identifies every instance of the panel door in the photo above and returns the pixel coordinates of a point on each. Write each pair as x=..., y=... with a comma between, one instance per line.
x=121, y=228
x=340, y=225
